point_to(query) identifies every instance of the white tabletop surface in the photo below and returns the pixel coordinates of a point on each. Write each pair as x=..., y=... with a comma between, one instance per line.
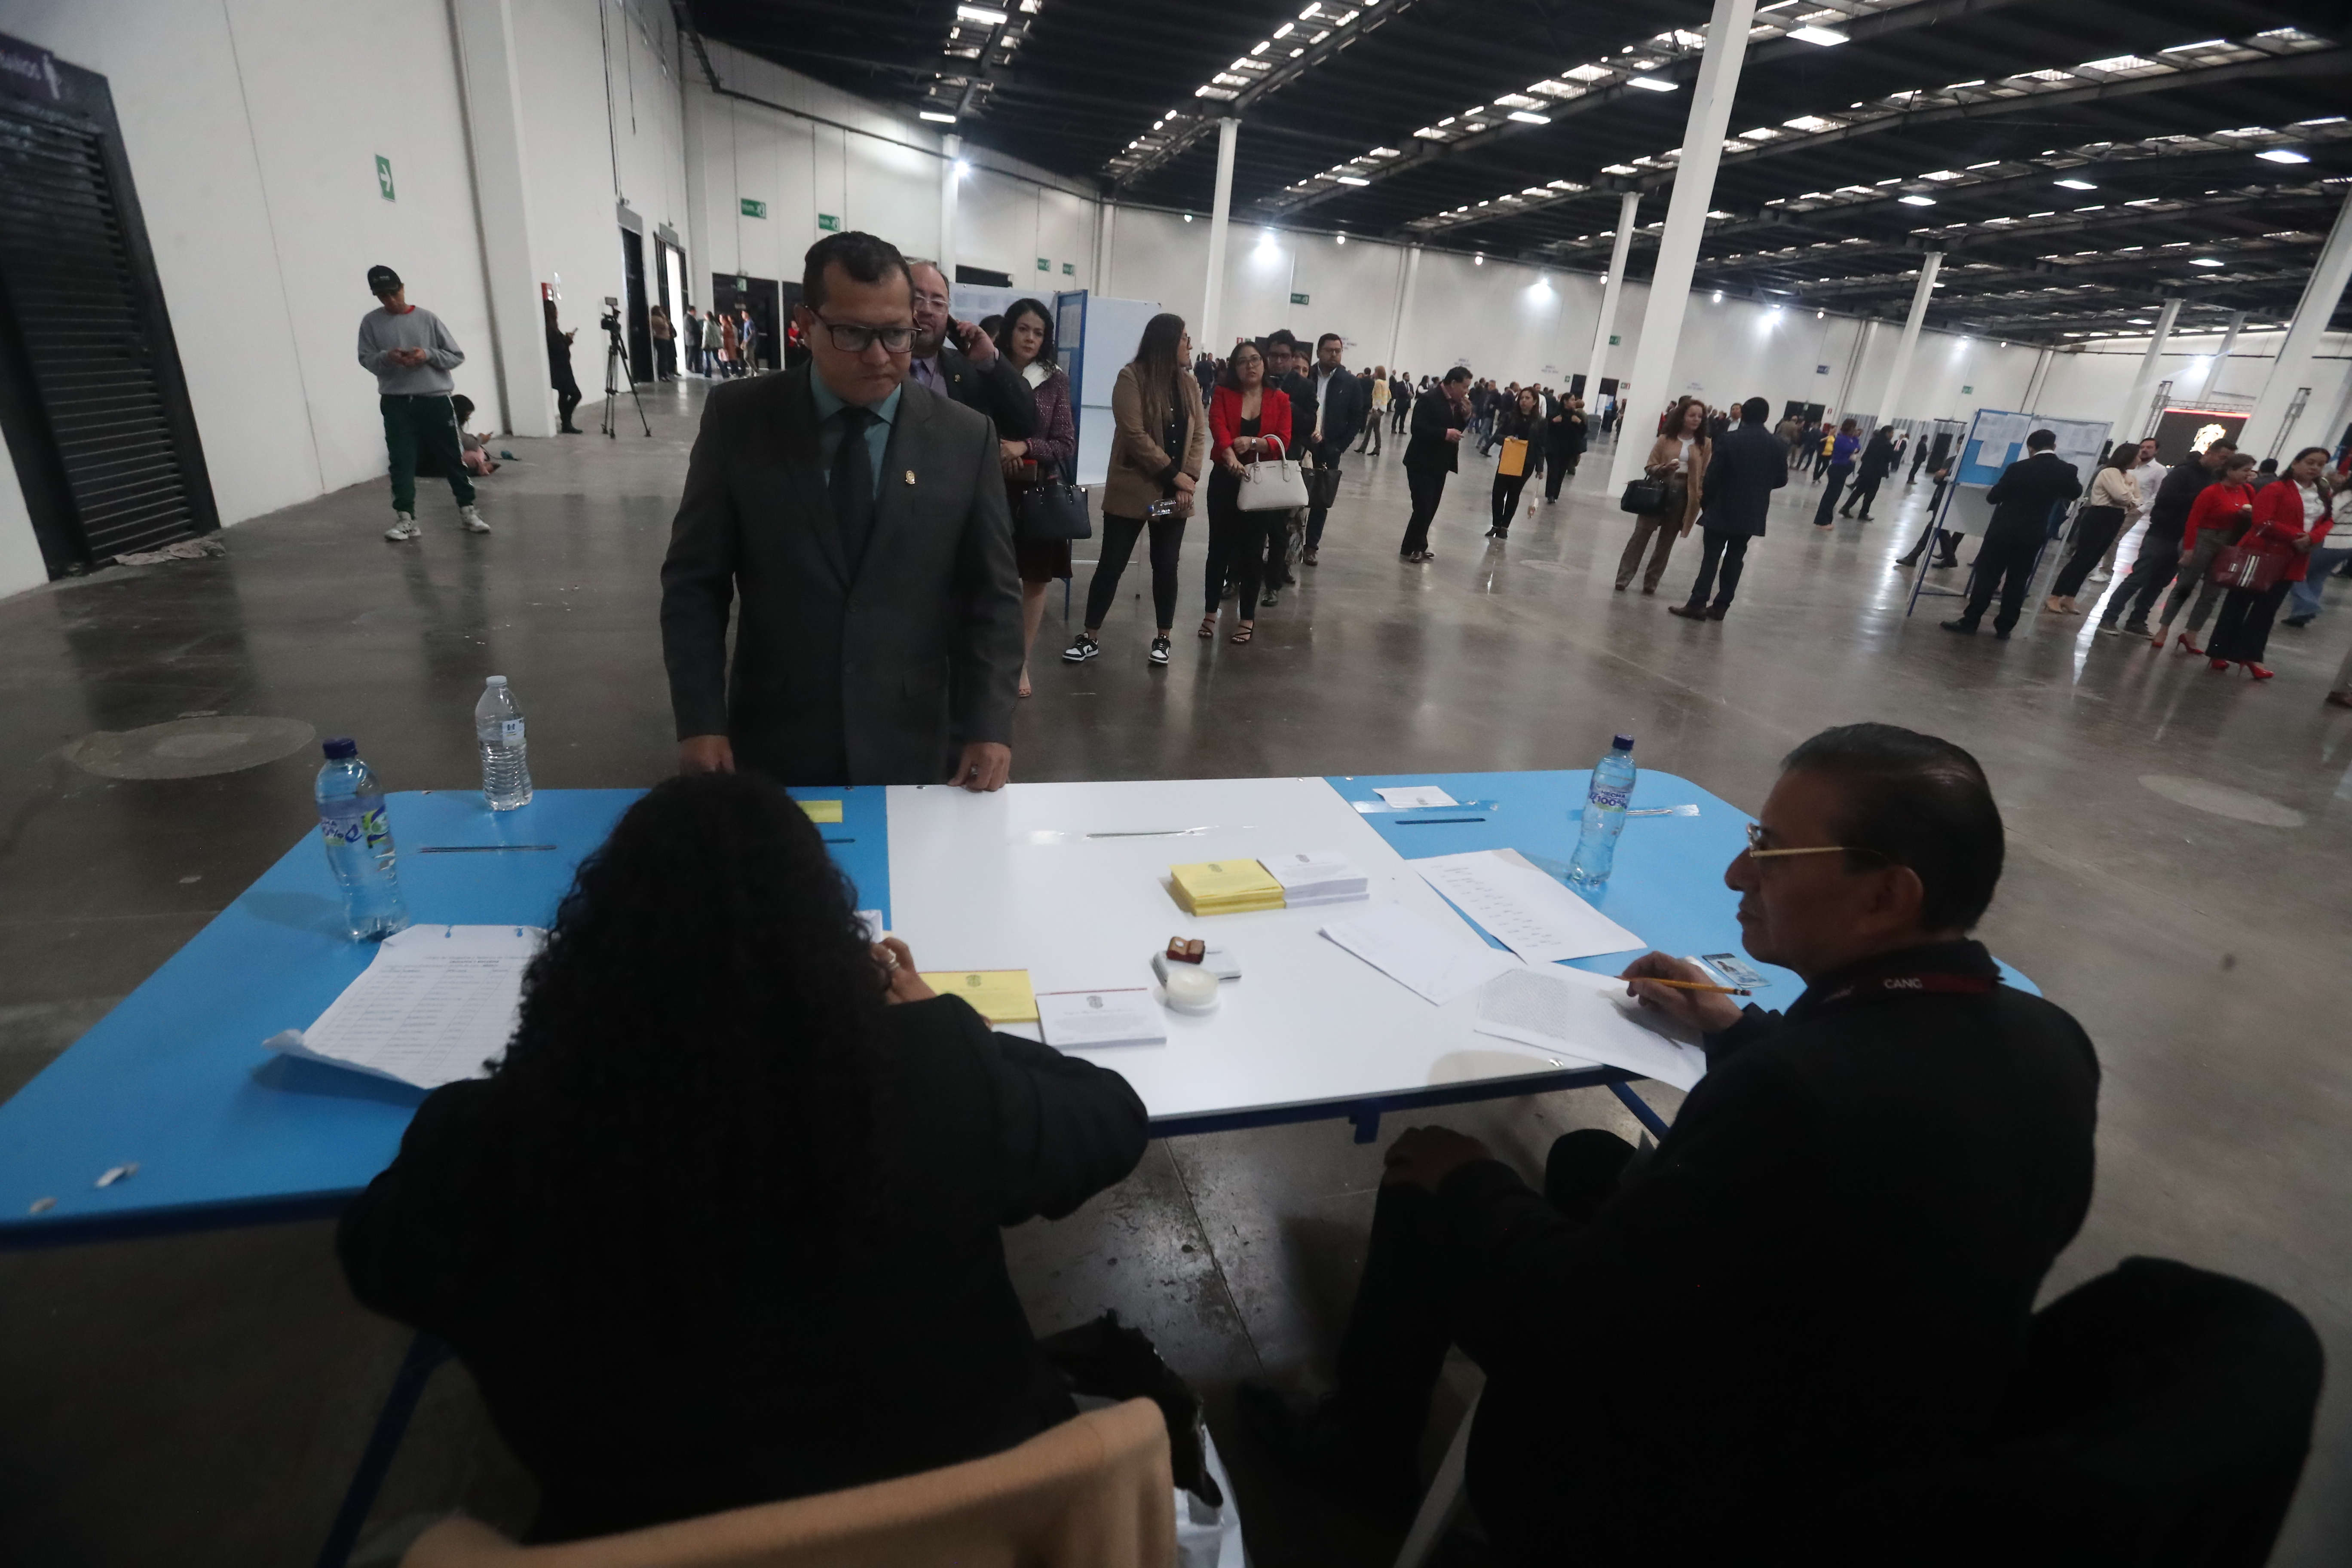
x=1011, y=880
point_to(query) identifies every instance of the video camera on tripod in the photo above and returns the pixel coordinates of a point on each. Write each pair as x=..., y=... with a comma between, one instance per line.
x=616, y=367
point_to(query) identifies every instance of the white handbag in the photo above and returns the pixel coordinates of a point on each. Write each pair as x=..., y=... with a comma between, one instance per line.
x=1278, y=485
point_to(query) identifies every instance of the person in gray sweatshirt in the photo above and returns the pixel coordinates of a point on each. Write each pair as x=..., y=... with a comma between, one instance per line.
x=411, y=354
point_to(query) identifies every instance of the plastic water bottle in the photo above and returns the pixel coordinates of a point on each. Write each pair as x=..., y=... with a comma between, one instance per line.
x=1604, y=816
x=506, y=755
x=359, y=843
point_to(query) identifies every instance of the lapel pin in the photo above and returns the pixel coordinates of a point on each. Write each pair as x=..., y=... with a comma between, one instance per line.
x=910, y=476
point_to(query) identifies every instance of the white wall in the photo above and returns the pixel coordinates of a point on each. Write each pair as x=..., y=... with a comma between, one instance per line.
x=20, y=552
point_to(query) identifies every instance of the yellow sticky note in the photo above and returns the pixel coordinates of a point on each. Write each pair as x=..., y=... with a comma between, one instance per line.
x=822, y=810
x=999, y=995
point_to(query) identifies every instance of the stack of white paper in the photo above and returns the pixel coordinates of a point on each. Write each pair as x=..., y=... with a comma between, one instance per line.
x=1405, y=798
x=1119, y=1017
x=437, y=1004
x=1439, y=965
x=1588, y=1015
x=1321, y=876
x=1524, y=909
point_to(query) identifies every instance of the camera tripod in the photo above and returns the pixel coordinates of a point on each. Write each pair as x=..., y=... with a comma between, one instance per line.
x=616, y=373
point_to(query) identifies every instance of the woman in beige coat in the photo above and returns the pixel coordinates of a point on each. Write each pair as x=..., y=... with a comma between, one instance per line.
x=1679, y=459
x=1159, y=442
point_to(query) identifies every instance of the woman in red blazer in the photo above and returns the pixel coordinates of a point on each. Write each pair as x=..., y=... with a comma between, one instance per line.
x=2291, y=515
x=2222, y=511
x=1247, y=420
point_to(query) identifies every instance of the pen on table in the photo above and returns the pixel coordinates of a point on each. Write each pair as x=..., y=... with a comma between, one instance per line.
x=476, y=849
x=1698, y=986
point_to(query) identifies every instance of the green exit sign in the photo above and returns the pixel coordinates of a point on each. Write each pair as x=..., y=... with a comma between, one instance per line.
x=1069, y=270
x=1044, y=265
x=1298, y=299
x=384, y=177
x=829, y=223
x=754, y=209
x=1967, y=391
x=1614, y=339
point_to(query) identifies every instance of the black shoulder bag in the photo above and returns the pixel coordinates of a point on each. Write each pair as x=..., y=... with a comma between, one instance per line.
x=1051, y=510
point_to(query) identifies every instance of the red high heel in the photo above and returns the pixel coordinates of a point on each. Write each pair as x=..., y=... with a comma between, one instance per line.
x=2220, y=663
x=2258, y=672
x=2188, y=646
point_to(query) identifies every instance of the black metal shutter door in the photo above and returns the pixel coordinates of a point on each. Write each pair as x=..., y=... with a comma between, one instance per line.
x=67, y=271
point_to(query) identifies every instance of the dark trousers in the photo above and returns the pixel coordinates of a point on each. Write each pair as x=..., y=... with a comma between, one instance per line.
x=1118, y=537
x=1557, y=470
x=1236, y=538
x=417, y=423
x=2158, y=559
x=1398, y=408
x=2242, y=632
x=1866, y=491
x=1410, y=1305
x=1507, y=498
x=1822, y=513
x=665, y=358
x=2094, y=530
x=2005, y=562
x=1820, y=466
x=1428, y=487
x=1319, y=512
x=1731, y=551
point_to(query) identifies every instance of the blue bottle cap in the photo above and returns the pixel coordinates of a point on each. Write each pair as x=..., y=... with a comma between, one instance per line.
x=341, y=746
x=1622, y=744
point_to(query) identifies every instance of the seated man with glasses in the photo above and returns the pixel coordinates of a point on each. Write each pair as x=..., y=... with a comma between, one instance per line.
x=1821, y=1276
x=858, y=528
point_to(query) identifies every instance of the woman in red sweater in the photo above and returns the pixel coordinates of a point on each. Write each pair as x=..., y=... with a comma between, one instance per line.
x=2222, y=511
x=2291, y=515
x=1247, y=420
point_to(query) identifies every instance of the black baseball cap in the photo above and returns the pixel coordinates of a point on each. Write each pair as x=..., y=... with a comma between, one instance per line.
x=382, y=280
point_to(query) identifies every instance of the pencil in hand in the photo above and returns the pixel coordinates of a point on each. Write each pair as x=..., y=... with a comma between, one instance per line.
x=1694, y=985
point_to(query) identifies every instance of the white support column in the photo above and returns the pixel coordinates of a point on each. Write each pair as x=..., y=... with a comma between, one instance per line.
x=1899, y=373
x=2266, y=427
x=1404, y=303
x=1702, y=150
x=493, y=99
x=950, y=154
x=2211, y=383
x=1106, y=236
x=2134, y=422
x=1204, y=331
x=2034, y=378
x=1621, y=245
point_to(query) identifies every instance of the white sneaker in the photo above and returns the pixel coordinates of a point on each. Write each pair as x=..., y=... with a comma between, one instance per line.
x=2102, y=575
x=404, y=529
x=472, y=519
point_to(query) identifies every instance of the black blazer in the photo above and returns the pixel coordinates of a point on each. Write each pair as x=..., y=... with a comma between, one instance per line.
x=1432, y=416
x=1564, y=428
x=1342, y=422
x=817, y=1375
x=1822, y=1273
x=2027, y=491
x=875, y=680
x=995, y=390
x=1877, y=458
x=1748, y=465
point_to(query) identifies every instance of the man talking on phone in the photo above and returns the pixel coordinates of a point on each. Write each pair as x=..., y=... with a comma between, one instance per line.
x=958, y=361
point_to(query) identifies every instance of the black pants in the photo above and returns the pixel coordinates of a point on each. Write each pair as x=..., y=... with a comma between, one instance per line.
x=1507, y=498
x=421, y=424
x=1820, y=466
x=567, y=398
x=2094, y=530
x=1866, y=491
x=1236, y=547
x=1557, y=470
x=1428, y=487
x=665, y=358
x=1410, y=1307
x=1731, y=551
x=2005, y=562
x=2243, y=630
x=2151, y=574
x=1120, y=535
x=1398, y=408
x=1827, y=509
x=1318, y=513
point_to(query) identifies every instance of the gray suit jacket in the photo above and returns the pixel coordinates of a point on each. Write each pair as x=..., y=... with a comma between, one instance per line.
x=878, y=679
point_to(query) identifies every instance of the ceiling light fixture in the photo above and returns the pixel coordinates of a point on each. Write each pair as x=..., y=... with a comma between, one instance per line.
x=988, y=14
x=1338, y=239
x=1526, y=118
x=1916, y=200
x=1478, y=260
x=1822, y=37
x=2205, y=261
x=1718, y=295
x=2282, y=155
x=1353, y=180
x=1655, y=84
x=935, y=117
x=2075, y=185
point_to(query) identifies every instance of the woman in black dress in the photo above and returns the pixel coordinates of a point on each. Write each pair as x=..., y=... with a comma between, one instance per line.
x=559, y=371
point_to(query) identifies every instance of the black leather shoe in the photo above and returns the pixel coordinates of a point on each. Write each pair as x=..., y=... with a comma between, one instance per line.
x=1965, y=629
x=1688, y=612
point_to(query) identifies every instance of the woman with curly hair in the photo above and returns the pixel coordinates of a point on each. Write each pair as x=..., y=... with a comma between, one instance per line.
x=723, y=1226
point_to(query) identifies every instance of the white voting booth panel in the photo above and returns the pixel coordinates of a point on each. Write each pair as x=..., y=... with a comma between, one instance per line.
x=1012, y=881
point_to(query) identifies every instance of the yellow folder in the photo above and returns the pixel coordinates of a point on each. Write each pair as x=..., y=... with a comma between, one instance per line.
x=1514, y=460
x=1225, y=887
x=822, y=810
x=999, y=995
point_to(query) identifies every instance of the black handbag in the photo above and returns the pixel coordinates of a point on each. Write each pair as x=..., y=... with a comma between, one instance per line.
x=1644, y=495
x=1322, y=487
x=1051, y=511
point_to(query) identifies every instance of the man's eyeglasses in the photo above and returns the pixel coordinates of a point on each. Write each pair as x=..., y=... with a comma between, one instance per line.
x=1759, y=846
x=852, y=339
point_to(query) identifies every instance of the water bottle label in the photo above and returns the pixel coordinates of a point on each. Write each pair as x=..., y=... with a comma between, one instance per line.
x=374, y=828
x=510, y=731
x=1609, y=799
x=342, y=830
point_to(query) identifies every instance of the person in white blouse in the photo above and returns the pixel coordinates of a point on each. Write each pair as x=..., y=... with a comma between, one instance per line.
x=2109, y=509
x=2147, y=474
x=2303, y=599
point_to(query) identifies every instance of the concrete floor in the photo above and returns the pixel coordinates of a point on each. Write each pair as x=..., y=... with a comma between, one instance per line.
x=202, y=1399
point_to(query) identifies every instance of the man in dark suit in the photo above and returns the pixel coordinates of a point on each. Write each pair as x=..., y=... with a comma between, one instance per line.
x=859, y=522
x=2023, y=500
x=1833, y=1254
x=1327, y=406
x=1564, y=440
x=1748, y=465
x=956, y=359
x=1439, y=417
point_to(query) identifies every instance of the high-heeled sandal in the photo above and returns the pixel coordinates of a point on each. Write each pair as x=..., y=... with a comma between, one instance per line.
x=2219, y=664
x=1208, y=628
x=2258, y=672
x=1241, y=633
x=2189, y=647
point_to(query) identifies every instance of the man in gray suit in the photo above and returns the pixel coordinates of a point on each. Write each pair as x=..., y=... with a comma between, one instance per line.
x=859, y=521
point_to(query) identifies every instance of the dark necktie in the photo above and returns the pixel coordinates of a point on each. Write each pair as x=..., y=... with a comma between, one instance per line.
x=852, y=487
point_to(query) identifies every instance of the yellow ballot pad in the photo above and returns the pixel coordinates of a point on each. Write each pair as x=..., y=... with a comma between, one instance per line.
x=1226, y=888
x=1514, y=460
x=822, y=810
x=999, y=995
